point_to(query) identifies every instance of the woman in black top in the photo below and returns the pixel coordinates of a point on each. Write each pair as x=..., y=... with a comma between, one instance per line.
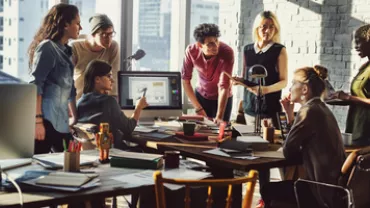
x=268, y=52
x=98, y=82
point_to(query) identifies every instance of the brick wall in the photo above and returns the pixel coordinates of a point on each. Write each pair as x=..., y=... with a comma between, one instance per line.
x=313, y=31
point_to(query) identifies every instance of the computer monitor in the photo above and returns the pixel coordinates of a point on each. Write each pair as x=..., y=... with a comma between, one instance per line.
x=17, y=123
x=162, y=91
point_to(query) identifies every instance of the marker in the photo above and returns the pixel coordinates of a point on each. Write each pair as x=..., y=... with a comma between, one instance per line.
x=64, y=145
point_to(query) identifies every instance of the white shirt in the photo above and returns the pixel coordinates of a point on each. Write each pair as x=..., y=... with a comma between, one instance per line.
x=262, y=50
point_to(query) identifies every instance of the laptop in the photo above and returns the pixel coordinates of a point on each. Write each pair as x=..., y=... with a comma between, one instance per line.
x=17, y=124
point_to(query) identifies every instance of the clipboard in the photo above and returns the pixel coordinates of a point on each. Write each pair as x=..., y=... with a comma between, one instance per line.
x=234, y=80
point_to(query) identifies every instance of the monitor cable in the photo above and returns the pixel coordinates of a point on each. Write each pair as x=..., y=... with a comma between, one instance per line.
x=15, y=185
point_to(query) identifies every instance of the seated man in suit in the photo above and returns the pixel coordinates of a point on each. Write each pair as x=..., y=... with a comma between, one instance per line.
x=96, y=101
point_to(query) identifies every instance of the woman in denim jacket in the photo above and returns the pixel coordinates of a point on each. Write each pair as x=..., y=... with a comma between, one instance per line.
x=52, y=72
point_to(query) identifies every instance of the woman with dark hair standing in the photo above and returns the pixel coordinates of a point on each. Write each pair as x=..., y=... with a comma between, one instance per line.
x=358, y=117
x=98, y=82
x=314, y=136
x=52, y=72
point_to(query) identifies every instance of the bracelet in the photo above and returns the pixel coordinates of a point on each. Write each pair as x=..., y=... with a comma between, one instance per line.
x=39, y=116
x=198, y=110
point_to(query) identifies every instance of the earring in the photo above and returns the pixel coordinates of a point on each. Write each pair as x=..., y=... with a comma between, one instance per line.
x=303, y=97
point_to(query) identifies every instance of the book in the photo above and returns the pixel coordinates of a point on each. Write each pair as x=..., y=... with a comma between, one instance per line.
x=136, y=160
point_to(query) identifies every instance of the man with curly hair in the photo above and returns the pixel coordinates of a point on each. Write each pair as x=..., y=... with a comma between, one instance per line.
x=210, y=57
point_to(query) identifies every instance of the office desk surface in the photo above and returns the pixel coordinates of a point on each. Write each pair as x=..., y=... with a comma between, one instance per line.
x=108, y=188
x=232, y=163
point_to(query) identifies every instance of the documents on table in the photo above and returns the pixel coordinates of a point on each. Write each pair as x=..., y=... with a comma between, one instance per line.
x=145, y=178
x=56, y=160
x=220, y=152
x=143, y=129
x=243, y=129
x=255, y=142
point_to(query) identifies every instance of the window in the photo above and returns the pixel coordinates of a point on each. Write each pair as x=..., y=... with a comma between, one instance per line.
x=10, y=42
x=152, y=33
x=206, y=13
x=203, y=19
x=21, y=39
x=10, y=22
x=21, y=19
x=9, y=61
x=10, y=4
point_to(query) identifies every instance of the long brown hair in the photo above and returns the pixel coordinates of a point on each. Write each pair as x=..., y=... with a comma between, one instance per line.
x=52, y=27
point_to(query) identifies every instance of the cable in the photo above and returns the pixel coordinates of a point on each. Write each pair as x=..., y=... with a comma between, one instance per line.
x=16, y=186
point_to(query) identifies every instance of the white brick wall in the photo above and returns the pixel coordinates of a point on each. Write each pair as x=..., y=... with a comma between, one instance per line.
x=314, y=32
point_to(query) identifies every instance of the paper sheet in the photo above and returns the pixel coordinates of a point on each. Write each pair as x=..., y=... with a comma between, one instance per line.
x=146, y=177
x=58, y=158
x=219, y=152
x=243, y=129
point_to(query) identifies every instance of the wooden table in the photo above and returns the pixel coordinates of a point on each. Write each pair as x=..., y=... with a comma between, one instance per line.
x=108, y=188
x=230, y=163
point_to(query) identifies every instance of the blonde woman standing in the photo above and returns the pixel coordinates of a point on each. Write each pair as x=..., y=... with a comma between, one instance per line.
x=268, y=52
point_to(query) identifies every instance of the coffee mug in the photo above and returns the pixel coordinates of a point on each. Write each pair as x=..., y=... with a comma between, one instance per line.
x=172, y=159
x=188, y=128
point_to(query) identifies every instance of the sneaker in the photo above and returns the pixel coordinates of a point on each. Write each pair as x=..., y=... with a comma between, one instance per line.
x=260, y=204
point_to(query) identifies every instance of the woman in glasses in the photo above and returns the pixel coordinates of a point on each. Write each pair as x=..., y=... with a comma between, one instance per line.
x=96, y=106
x=99, y=45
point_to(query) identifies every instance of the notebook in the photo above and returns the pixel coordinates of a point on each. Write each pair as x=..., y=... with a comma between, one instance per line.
x=65, y=179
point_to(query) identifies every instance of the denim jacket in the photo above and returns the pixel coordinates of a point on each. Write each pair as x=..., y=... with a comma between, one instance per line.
x=52, y=73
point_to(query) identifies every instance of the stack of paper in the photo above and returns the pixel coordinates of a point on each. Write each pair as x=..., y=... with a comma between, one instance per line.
x=255, y=142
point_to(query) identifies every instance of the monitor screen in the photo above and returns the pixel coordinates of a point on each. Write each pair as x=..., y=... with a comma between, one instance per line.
x=161, y=89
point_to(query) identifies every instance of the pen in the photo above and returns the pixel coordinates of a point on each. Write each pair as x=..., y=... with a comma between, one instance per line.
x=64, y=145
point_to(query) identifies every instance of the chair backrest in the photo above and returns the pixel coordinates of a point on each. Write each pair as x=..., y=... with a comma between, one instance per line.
x=247, y=201
x=321, y=195
x=356, y=169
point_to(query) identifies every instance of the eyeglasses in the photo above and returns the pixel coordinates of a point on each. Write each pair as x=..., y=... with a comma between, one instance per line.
x=265, y=27
x=108, y=35
x=110, y=76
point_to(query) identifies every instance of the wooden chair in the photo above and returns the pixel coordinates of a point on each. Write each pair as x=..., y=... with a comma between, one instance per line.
x=356, y=176
x=247, y=201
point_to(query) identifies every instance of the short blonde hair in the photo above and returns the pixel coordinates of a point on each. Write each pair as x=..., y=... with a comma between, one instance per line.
x=262, y=16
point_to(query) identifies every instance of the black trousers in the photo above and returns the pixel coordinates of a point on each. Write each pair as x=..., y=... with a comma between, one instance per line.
x=53, y=141
x=211, y=106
